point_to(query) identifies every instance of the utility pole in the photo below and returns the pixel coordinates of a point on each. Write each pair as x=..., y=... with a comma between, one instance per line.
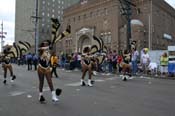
x=127, y=12
x=2, y=36
x=36, y=17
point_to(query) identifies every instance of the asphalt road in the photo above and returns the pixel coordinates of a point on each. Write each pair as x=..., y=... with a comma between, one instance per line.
x=110, y=96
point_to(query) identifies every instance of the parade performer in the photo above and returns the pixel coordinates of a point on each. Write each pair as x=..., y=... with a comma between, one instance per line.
x=126, y=67
x=45, y=71
x=15, y=51
x=7, y=66
x=54, y=64
x=86, y=64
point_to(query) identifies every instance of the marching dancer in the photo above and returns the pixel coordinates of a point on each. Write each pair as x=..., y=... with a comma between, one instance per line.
x=126, y=68
x=86, y=64
x=44, y=71
x=7, y=66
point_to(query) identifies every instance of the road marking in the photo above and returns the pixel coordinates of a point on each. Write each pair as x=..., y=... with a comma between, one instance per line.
x=99, y=80
x=112, y=78
x=112, y=87
x=79, y=84
x=46, y=89
x=29, y=96
x=68, y=71
x=73, y=84
x=142, y=77
x=77, y=89
x=149, y=82
x=16, y=93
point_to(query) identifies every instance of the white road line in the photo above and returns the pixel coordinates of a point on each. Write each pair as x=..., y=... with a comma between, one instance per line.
x=16, y=93
x=99, y=80
x=68, y=71
x=73, y=84
x=29, y=96
x=46, y=89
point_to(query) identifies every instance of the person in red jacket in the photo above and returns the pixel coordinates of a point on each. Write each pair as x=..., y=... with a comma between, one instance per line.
x=119, y=60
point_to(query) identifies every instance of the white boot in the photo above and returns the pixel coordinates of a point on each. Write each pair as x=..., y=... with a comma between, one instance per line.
x=82, y=82
x=54, y=97
x=94, y=73
x=13, y=78
x=89, y=83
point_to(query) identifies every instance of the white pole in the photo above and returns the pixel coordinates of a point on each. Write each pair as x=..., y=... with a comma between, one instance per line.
x=149, y=32
x=150, y=26
x=2, y=36
x=36, y=28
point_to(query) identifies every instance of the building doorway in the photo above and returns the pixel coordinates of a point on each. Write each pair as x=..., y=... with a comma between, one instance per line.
x=83, y=41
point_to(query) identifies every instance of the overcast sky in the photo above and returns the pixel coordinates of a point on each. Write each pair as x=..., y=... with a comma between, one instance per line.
x=7, y=15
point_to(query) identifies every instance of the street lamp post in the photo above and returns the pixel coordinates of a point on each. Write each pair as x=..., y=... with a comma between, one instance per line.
x=2, y=36
x=36, y=17
x=127, y=12
x=36, y=28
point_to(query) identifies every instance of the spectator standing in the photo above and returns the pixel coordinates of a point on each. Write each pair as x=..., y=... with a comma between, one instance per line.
x=35, y=61
x=119, y=60
x=110, y=62
x=134, y=59
x=29, y=61
x=54, y=64
x=145, y=60
x=114, y=61
x=164, y=63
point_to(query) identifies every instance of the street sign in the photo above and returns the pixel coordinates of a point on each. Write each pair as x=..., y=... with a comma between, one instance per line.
x=2, y=36
x=3, y=33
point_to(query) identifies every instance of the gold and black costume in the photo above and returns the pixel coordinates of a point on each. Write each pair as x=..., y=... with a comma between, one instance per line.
x=44, y=70
x=86, y=64
x=7, y=66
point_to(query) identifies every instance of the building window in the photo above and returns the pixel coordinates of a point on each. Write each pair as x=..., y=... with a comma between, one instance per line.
x=48, y=14
x=91, y=13
x=79, y=18
x=53, y=16
x=44, y=2
x=53, y=0
x=84, y=16
x=105, y=11
x=43, y=20
x=43, y=13
x=97, y=12
x=53, y=10
x=43, y=24
x=107, y=38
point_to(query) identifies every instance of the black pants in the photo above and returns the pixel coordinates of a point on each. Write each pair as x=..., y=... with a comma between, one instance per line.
x=29, y=63
x=54, y=71
x=35, y=63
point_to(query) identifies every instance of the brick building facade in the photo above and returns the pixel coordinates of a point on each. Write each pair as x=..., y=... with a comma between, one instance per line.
x=152, y=27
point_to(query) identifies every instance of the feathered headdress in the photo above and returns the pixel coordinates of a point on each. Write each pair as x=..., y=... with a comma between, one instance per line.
x=56, y=35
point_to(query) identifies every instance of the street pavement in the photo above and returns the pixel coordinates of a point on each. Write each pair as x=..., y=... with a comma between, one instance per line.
x=110, y=96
